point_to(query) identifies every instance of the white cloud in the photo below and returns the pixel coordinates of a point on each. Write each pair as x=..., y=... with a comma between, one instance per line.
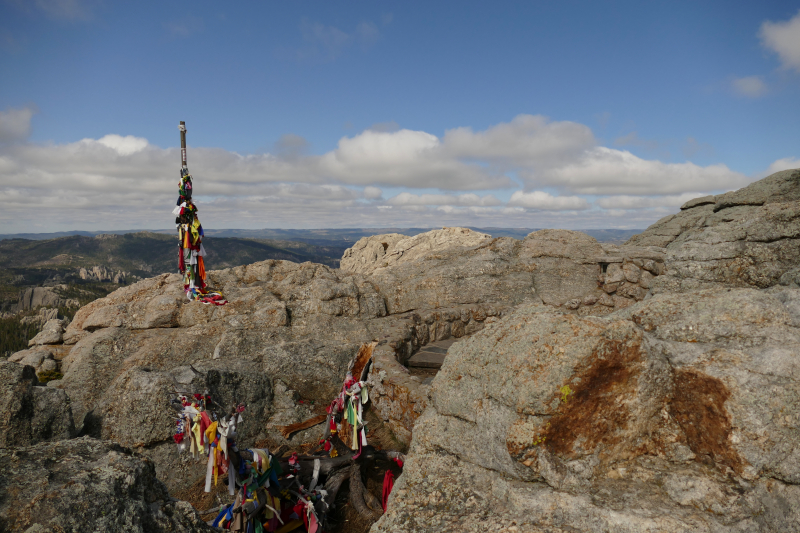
x=786, y=163
x=15, y=124
x=405, y=198
x=783, y=38
x=643, y=202
x=405, y=158
x=122, y=145
x=751, y=86
x=127, y=182
x=603, y=171
x=527, y=140
x=547, y=202
x=372, y=193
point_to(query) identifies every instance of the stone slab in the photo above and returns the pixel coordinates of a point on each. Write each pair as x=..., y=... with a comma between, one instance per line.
x=426, y=359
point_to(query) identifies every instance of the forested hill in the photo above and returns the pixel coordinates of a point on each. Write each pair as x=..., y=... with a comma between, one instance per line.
x=25, y=263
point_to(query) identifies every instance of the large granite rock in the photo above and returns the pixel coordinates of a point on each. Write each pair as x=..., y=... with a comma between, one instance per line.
x=34, y=297
x=455, y=266
x=30, y=413
x=676, y=414
x=744, y=238
x=52, y=333
x=381, y=251
x=87, y=485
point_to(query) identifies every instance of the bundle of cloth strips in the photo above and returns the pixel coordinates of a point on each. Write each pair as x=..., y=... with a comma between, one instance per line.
x=190, y=246
x=269, y=497
x=254, y=476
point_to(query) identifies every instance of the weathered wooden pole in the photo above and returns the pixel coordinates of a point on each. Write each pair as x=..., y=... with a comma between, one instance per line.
x=182, y=127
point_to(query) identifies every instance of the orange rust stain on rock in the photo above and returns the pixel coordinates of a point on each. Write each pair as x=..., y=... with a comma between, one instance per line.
x=699, y=407
x=593, y=413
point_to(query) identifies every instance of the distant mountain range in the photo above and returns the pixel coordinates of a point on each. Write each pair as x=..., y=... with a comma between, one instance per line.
x=47, y=259
x=327, y=236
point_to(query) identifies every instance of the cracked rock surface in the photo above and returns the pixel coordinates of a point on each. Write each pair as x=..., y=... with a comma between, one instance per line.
x=679, y=413
x=83, y=485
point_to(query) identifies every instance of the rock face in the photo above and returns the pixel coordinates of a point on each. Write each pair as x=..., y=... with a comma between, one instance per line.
x=39, y=297
x=676, y=414
x=744, y=238
x=30, y=413
x=87, y=485
x=52, y=333
x=553, y=266
x=102, y=273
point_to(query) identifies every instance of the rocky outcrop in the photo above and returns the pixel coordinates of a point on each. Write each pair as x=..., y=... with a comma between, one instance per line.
x=369, y=253
x=87, y=485
x=41, y=358
x=301, y=325
x=30, y=413
x=34, y=297
x=676, y=414
x=102, y=273
x=553, y=266
x=744, y=238
x=41, y=318
x=52, y=333
x=672, y=411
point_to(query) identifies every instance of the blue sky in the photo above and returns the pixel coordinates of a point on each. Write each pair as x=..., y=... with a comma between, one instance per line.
x=321, y=114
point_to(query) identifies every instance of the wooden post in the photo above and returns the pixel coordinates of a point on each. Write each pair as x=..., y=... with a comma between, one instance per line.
x=182, y=127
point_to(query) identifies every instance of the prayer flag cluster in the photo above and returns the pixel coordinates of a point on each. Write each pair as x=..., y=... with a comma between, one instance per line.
x=190, y=246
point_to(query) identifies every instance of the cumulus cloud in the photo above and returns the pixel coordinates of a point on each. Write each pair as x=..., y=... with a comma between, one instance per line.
x=15, y=124
x=372, y=193
x=547, y=202
x=527, y=140
x=122, y=145
x=455, y=179
x=783, y=38
x=786, y=163
x=406, y=158
x=751, y=86
x=470, y=199
x=643, y=202
x=602, y=171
